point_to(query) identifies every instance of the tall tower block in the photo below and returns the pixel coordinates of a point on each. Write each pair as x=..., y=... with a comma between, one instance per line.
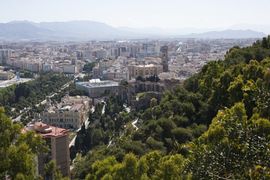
x=165, y=58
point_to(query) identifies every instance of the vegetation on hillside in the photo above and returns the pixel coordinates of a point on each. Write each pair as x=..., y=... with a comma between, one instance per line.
x=18, y=150
x=217, y=123
x=29, y=94
x=215, y=126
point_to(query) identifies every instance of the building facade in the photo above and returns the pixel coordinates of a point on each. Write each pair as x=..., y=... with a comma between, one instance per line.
x=144, y=70
x=57, y=140
x=97, y=88
x=4, y=56
x=70, y=114
x=165, y=58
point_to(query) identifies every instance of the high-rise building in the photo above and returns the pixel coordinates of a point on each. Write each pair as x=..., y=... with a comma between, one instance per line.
x=148, y=50
x=165, y=58
x=57, y=140
x=4, y=56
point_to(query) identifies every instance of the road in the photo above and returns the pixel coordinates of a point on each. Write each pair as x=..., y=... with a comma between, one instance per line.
x=134, y=124
x=6, y=83
x=27, y=109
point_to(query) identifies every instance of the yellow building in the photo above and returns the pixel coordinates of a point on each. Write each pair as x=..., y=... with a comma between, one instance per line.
x=144, y=70
x=70, y=114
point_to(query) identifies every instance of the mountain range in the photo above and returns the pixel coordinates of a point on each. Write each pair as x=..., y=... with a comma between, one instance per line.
x=91, y=30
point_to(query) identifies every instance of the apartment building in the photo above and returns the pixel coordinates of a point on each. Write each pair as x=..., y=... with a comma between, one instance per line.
x=4, y=56
x=58, y=142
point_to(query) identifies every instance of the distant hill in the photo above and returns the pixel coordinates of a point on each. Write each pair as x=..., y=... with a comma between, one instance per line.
x=72, y=30
x=85, y=29
x=91, y=30
x=20, y=30
x=228, y=34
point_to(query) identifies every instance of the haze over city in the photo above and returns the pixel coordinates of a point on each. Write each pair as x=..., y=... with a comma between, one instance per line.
x=170, y=14
x=134, y=89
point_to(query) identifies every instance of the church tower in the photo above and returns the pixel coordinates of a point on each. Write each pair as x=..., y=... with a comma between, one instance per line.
x=164, y=57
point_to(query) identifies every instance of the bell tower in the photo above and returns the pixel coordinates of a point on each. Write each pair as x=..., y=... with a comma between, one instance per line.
x=164, y=57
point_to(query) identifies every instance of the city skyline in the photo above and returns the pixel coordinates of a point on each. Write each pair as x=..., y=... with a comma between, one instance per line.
x=141, y=14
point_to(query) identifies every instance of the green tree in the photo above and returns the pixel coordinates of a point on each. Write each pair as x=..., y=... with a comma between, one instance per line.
x=232, y=146
x=52, y=172
x=170, y=168
x=100, y=168
x=182, y=135
x=17, y=149
x=89, y=67
x=265, y=43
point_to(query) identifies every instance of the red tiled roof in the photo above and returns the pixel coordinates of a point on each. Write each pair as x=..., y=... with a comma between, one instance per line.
x=47, y=131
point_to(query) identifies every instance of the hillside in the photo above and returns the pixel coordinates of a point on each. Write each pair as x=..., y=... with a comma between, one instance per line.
x=90, y=30
x=22, y=30
x=227, y=34
x=72, y=30
x=215, y=126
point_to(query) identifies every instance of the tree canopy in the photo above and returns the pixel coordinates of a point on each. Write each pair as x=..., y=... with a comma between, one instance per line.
x=18, y=150
x=215, y=126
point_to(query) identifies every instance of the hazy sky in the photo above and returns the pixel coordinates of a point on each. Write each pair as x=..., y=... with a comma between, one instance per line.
x=141, y=13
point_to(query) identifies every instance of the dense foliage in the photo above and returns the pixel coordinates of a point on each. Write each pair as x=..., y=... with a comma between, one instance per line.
x=216, y=126
x=105, y=122
x=153, y=165
x=88, y=67
x=29, y=94
x=18, y=150
x=234, y=93
x=234, y=147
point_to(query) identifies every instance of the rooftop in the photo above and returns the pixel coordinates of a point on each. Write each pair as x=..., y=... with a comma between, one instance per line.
x=46, y=130
x=98, y=83
x=69, y=103
x=146, y=65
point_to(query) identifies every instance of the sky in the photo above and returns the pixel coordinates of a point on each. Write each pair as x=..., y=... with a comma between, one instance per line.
x=141, y=13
